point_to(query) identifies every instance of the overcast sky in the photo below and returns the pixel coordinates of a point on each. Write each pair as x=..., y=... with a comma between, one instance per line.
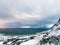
x=28, y=13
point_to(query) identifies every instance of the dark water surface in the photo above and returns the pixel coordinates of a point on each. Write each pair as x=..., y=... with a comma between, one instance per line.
x=21, y=31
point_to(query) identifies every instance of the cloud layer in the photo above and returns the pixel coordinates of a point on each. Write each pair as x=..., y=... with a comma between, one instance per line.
x=33, y=13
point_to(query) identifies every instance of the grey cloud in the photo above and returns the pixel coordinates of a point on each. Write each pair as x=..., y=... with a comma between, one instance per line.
x=5, y=12
x=36, y=24
x=14, y=25
x=26, y=9
x=49, y=11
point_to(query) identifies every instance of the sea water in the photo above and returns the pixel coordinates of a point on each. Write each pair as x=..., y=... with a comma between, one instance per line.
x=22, y=31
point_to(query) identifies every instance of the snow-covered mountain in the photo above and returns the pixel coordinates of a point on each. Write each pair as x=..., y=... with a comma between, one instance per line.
x=50, y=37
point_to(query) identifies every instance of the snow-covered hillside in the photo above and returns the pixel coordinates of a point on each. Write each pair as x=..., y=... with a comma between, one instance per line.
x=50, y=37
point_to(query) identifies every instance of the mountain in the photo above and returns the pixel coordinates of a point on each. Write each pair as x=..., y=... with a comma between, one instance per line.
x=50, y=37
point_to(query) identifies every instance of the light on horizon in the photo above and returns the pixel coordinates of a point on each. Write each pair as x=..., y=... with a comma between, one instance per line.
x=25, y=27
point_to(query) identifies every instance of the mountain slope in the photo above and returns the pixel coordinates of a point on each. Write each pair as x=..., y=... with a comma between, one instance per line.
x=53, y=37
